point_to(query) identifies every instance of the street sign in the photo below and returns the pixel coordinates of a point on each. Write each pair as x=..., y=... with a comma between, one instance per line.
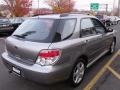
x=94, y=6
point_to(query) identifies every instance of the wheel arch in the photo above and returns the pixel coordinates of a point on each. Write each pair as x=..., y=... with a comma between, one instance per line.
x=84, y=57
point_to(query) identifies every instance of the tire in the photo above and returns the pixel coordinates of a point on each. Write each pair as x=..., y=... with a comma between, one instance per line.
x=77, y=74
x=112, y=47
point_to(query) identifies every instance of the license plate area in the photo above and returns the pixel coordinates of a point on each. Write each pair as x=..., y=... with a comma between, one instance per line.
x=16, y=71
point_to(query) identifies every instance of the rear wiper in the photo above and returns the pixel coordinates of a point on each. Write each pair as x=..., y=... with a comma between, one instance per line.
x=19, y=36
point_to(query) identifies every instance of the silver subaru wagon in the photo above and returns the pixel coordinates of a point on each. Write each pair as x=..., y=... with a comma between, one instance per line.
x=53, y=48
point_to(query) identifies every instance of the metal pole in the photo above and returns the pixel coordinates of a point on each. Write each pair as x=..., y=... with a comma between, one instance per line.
x=112, y=13
x=69, y=6
x=106, y=9
x=38, y=7
x=118, y=7
x=113, y=4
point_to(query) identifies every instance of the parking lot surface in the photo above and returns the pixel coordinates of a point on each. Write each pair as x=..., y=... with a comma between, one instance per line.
x=13, y=82
x=109, y=76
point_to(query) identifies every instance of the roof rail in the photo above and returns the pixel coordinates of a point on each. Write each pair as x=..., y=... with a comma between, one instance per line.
x=64, y=14
x=67, y=14
x=76, y=13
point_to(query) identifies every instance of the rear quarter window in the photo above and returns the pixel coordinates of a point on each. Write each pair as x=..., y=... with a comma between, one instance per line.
x=87, y=27
x=66, y=27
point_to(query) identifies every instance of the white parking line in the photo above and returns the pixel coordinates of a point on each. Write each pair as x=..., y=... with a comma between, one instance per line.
x=91, y=84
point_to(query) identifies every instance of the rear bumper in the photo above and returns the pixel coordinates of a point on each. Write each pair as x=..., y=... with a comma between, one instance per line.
x=37, y=73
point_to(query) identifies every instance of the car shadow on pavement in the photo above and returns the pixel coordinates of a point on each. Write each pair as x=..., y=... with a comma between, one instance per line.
x=38, y=86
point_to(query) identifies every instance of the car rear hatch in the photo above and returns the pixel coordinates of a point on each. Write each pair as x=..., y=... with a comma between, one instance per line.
x=29, y=39
x=35, y=35
x=24, y=51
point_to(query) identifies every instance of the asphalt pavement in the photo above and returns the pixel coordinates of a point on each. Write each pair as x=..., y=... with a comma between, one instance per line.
x=108, y=78
x=13, y=82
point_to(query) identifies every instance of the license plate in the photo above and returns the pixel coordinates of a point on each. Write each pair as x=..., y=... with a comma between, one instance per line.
x=16, y=70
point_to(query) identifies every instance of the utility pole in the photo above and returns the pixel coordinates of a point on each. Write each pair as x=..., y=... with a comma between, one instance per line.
x=113, y=4
x=118, y=7
x=113, y=7
x=38, y=7
x=106, y=9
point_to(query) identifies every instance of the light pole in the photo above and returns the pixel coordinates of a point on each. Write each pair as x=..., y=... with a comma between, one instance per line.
x=118, y=7
x=38, y=7
x=113, y=4
x=106, y=9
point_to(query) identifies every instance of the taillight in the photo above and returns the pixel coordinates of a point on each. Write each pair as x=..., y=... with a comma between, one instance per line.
x=48, y=57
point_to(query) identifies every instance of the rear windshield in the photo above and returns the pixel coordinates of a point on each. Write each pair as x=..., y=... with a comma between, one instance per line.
x=45, y=30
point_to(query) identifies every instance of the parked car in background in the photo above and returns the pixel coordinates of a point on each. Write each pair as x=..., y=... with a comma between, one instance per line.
x=114, y=19
x=54, y=48
x=101, y=18
x=108, y=22
x=5, y=26
x=105, y=20
x=15, y=22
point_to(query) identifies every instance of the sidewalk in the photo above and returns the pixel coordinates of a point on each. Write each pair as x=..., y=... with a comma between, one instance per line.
x=108, y=78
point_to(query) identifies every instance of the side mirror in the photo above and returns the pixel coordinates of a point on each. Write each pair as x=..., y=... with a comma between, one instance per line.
x=109, y=30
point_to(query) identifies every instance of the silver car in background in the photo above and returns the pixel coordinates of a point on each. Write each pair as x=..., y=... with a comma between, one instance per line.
x=53, y=48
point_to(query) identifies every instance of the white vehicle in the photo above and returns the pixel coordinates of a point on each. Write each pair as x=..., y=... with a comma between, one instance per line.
x=114, y=19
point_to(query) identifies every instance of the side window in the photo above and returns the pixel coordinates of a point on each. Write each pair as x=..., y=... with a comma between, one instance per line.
x=87, y=28
x=98, y=26
x=66, y=27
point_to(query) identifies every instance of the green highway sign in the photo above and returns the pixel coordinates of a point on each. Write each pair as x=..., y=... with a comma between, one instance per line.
x=94, y=6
